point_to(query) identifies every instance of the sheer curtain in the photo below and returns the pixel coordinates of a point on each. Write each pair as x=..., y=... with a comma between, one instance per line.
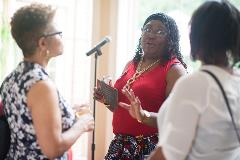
x=127, y=33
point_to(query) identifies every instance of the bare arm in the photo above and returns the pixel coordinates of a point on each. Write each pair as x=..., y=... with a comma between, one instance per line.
x=175, y=72
x=42, y=100
x=157, y=154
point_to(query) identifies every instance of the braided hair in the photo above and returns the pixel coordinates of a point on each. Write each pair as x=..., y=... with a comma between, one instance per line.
x=173, y=38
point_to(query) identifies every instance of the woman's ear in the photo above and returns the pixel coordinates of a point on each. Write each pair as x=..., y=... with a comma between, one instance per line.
x=42, y=42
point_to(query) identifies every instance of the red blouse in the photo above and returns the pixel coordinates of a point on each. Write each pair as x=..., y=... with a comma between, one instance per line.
x=1, y=108
x=150, y=88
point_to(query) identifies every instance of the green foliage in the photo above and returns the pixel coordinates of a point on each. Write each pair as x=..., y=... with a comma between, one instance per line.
x=237, y=65
x=191, y=65
x=236, y=3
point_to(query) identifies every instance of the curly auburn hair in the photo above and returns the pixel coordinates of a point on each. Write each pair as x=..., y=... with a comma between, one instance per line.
x=173, y=38
x=28, y=25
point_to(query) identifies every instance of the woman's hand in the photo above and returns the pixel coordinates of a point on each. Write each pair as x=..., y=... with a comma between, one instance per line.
x=86, y=122
x=81, y=109
x=135, y=109
x=85, y=117
x=97, y=95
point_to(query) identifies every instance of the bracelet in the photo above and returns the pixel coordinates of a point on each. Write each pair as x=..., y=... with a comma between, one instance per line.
x=107, y=105
x=146, y=115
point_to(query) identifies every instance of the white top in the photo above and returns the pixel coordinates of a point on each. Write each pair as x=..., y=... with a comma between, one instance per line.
x=194, y=122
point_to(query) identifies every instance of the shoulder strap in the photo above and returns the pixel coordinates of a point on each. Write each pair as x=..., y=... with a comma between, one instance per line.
x=226, y=100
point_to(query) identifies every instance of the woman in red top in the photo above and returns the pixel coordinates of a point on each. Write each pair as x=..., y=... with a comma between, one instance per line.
x=151, y=75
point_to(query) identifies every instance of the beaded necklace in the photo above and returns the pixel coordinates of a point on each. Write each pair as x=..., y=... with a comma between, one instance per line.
x=139, y=72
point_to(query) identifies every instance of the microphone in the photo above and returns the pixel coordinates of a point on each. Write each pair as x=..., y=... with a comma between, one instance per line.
x=99, y=45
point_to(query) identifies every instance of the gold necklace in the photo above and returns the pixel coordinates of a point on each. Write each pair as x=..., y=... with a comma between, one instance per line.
x=139, y=72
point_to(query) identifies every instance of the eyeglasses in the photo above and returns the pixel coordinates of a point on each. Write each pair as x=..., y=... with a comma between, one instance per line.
x=52, y=34
x=158, y=33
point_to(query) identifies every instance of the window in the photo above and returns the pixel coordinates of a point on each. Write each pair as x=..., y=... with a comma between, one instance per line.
x=132, y=15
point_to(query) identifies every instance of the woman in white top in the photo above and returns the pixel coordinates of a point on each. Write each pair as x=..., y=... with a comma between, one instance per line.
x=194, y=121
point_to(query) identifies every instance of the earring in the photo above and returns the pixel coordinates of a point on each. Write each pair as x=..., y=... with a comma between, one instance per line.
x=47, y=54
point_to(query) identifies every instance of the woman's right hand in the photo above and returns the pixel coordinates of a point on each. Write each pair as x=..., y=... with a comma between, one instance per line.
x=134, y=108
x=97, y=95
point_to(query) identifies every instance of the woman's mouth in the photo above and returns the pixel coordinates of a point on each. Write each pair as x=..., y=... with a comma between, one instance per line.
x=150, y=44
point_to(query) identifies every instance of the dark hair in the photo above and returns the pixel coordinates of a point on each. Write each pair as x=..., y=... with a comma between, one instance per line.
x=215, y=33
x=173, y=38
x=28, y=25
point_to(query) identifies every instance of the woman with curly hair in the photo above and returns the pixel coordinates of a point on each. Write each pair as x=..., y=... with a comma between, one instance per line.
x=151, y=75
x=198, y=121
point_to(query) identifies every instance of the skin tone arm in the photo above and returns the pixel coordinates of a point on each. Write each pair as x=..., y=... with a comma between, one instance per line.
x=42, y=100
x=157, y=154
x=135, y=108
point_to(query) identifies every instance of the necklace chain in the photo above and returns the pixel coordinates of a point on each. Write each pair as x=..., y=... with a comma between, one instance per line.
x=139, y=72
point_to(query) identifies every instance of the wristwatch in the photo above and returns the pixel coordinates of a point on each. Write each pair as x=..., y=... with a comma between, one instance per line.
x=146, y=115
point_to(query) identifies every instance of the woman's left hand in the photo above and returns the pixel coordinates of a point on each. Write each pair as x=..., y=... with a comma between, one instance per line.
x=157, y=154
x=134, y=108
x=82, y=109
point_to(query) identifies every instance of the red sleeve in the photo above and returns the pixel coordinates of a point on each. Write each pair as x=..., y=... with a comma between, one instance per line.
x=1, y=108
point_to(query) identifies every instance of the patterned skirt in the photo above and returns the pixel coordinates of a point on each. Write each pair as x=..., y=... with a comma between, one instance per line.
x=125, y=147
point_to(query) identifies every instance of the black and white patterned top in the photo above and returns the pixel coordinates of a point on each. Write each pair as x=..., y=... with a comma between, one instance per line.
x=14, y=91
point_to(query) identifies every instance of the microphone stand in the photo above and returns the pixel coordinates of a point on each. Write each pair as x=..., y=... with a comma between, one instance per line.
x=98, y=53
